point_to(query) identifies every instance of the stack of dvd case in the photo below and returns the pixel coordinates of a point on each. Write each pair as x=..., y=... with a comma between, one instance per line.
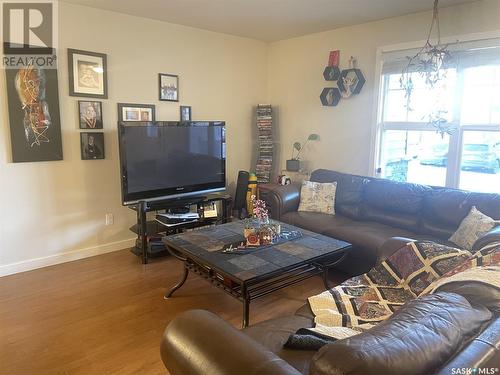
x=265, y=135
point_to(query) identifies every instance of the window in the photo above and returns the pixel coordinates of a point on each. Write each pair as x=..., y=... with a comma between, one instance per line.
x=468, y=98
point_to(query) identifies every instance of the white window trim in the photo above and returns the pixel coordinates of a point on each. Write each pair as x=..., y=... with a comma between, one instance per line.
x=452, y=179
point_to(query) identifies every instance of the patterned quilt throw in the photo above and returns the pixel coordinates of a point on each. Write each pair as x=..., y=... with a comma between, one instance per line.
x=416, y=269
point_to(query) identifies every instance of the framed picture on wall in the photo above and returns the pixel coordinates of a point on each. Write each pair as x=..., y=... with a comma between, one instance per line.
x=185, y=113
x=88, y=75
x=168, y=87
x=34, y=117
x=90, y=114
x=136, y=112
x=92, y=145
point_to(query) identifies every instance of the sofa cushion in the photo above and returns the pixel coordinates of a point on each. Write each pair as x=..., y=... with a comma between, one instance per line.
x=392, y=218
x=315, y=222
x=318, y=197
x=349, y=190
x=394, y=203
x=395, y=196
x=444, y=209
x=367, y=235
x=477, y=293
x=475, y=225
x=275, y=332
x=418, y=339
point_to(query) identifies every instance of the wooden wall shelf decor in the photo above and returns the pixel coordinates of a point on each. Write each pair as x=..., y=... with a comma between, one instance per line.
x=330, y=96
x=331, y=73
x=349, y=81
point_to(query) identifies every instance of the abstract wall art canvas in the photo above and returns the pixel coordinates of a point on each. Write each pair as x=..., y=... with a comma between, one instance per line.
x=35, y=125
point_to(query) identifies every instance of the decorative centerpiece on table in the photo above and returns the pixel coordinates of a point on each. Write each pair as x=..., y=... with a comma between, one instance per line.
x=259, y=230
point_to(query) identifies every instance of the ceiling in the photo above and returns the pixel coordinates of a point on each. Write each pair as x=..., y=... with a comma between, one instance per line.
x=266, y=20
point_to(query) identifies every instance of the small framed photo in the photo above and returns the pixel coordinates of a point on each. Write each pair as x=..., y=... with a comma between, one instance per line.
x=92, y=145
x=169, y=87
x=88, y=74
x=90, y=114
x=136, y=112
x=185, y=113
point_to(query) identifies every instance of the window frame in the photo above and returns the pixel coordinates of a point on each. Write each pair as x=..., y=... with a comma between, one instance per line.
x=453, y=168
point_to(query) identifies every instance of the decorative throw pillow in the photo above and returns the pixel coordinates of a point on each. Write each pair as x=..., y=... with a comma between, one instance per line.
x=473, y=226
x=318, y=197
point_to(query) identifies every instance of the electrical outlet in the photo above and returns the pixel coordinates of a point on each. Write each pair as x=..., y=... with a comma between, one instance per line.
x=109, y=219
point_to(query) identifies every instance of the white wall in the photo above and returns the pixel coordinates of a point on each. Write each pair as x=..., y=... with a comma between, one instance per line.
x=296, y=80
x=54, y=211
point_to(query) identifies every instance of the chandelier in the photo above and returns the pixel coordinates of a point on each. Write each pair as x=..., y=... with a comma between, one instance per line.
x=430, y=63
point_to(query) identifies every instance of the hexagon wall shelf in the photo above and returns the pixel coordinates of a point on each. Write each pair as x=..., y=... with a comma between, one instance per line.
x=357, y=81
x=331, y=73
x=330, y=96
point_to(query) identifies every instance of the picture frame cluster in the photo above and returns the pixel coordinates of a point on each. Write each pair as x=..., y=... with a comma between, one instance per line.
x=91, y=143
x=88, y=77
x=40, y=136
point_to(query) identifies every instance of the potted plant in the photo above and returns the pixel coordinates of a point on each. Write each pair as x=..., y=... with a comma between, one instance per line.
x=293, y=164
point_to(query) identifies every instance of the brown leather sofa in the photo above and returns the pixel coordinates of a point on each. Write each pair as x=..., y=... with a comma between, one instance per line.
x=371, y=211
x=457, y=328
x=449, y=332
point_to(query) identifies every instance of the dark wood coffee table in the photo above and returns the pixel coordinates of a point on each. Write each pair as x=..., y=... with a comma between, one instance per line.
x=257, y=272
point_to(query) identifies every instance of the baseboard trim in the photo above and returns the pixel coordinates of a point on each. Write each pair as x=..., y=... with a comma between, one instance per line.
x=31, y=264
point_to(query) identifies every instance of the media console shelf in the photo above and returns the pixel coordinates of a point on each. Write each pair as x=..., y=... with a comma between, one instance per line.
x=145, y=229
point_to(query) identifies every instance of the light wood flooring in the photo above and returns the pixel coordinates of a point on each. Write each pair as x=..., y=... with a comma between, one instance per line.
x=106, y=314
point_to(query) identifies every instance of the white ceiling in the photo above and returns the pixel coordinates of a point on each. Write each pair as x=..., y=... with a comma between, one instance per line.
x=267, y=20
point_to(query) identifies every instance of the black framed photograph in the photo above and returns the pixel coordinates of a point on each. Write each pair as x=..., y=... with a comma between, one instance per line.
x=185, y=113
x=90, y=114
x=34, y=117
x=92, y=145
x=169, y=87
x=136, y=112
x=88, y=75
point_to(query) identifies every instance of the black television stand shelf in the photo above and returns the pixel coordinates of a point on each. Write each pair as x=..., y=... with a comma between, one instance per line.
x=145, y=229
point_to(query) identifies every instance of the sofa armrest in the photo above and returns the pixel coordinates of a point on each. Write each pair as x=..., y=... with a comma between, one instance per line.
x=390, y=246
x=492, y=236
x=419, y=338
x=282, y=199
x=482, y=352
x=199, y=342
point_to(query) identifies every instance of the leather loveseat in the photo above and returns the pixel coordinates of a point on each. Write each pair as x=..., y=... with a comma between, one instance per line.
x=370, y=212
x=455, y=330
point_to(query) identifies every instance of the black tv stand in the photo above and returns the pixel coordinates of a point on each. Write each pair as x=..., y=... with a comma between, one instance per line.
x=146, y=229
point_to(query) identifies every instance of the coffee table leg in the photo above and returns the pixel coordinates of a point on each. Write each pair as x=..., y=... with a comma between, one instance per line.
x=246, y=308
x=326, y=267
x=179, y=284
x=325, y=278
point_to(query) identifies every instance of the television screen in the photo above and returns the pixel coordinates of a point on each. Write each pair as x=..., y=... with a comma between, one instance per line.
x=171, y=159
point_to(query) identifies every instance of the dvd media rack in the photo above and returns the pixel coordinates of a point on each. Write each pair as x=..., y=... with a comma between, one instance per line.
x=264, y=165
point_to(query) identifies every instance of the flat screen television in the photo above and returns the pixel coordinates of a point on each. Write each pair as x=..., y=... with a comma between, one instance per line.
x=163, y=160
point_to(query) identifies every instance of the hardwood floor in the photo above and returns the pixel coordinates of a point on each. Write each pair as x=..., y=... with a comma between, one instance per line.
x=106, y=314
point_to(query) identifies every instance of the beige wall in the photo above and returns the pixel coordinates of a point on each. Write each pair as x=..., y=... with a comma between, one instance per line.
x=295, y=81
x=54, y=211
x=52, y=208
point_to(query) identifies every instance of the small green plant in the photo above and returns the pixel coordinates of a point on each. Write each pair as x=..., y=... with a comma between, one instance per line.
x=297, y=146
